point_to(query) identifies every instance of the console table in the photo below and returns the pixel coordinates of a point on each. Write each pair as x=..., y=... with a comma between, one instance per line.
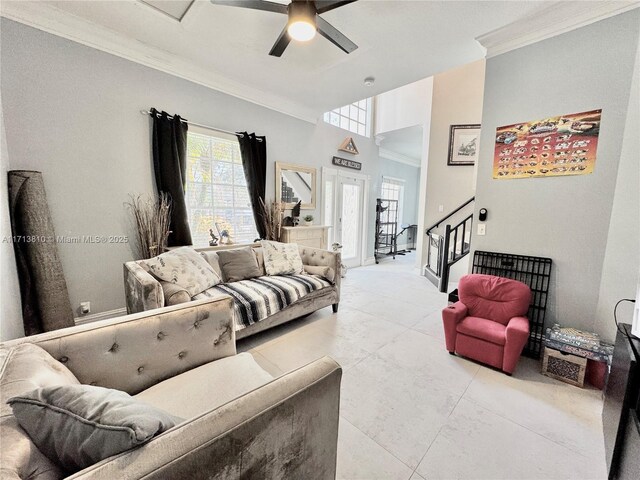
x=311, y=236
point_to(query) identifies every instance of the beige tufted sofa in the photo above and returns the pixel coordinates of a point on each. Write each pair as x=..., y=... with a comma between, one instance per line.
x=143, y=292
x=241, y=422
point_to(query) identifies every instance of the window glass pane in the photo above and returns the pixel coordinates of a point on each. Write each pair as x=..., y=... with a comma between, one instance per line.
x=356, y=111
x=362, y=116
x=199, y=170
x=222, y=172
x=198, y=146
x=216, y=190
x=353, y=112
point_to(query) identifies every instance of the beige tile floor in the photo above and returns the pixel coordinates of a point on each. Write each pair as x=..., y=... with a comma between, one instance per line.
x=411, y=411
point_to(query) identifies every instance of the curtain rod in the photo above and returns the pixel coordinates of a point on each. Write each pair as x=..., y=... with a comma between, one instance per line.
x=147, y=112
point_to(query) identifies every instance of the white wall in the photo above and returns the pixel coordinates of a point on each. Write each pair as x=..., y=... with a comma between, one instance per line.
x=73, y=113
x=402, y=107
x=11, y=325
x=411, y=177
x=457, y=100
x=621, y=265
x=564, y=218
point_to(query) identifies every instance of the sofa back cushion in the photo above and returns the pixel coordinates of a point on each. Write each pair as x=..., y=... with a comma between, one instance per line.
x=24, y=368
x=494, y=298
x=238, y=264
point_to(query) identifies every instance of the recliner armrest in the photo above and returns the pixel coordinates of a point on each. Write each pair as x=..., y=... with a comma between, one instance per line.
x=451, y=316
x=517, y=329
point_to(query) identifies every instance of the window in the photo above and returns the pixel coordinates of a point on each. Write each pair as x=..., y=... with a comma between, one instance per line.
x=216, y=191
x=355, y=117
x=393, y=189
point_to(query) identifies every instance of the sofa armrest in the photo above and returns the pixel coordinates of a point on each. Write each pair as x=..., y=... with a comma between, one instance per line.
x=134, y=352
x=142, y=291
x=287, y=428
x=323, y=258
x=451, y=316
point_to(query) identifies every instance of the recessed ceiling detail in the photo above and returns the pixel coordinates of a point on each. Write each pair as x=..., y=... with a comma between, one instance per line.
x=175, y=9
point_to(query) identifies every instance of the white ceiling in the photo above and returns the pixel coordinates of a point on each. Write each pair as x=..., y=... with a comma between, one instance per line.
x=400, y=41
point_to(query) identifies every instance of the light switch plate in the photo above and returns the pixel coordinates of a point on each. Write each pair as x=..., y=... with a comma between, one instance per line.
x=482, y=229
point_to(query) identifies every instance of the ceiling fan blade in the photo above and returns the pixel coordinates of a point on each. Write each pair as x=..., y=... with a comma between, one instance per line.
x=326, y=5
x=329, y=32
x=281, y=43
x=253, y=4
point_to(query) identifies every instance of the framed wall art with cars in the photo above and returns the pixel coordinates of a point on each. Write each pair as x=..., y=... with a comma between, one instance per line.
x=561, y=145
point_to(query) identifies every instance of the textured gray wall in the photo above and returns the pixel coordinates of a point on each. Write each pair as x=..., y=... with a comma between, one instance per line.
x=565, y=218
x=10, y=308
x=73, y=113
x=621, y=268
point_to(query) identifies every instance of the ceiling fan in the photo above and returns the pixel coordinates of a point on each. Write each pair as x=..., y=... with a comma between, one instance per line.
x=304, y=21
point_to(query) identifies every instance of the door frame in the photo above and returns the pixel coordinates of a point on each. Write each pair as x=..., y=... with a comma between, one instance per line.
x=336, y=174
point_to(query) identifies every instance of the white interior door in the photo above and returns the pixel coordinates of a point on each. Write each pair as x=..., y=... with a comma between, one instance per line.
x=349, y=210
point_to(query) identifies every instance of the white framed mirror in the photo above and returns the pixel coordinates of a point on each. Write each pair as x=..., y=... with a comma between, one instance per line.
x=295, y=183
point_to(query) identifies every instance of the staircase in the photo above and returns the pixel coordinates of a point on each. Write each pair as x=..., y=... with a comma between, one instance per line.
x=448, y=247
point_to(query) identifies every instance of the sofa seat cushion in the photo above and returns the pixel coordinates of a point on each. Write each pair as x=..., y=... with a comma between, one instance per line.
x=258, y=298
x=206, y=387
x=483, y=329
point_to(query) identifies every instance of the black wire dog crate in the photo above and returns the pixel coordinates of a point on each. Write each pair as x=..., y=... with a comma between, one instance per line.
x=533, y=271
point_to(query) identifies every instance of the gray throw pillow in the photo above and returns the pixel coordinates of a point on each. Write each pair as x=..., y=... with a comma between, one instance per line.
x=239, y=264
x=76, y=426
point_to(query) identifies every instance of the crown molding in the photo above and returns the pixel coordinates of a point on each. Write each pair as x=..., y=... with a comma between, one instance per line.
x=47, y=18
x=398, y=157
x=556, y=19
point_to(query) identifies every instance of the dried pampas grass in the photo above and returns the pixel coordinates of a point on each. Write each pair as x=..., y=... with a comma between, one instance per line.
x=151, y=216
x=272, y=219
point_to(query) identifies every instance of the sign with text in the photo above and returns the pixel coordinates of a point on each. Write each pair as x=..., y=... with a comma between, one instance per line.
x=344, y=162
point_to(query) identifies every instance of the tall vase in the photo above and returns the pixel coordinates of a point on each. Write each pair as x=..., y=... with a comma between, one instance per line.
x=43, y=288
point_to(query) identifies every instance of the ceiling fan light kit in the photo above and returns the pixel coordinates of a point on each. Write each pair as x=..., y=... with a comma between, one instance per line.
x=303, y=22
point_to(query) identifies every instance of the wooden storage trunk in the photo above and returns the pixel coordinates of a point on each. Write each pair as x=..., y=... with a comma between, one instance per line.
x=564, y=366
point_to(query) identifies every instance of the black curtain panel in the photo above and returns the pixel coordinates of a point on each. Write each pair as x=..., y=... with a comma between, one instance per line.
x=43, y=288
x=254, y=162
x=170, y=166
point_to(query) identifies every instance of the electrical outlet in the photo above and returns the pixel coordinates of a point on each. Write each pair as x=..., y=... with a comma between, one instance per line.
x=85, y=307
x=440, y=208
x=482, y=229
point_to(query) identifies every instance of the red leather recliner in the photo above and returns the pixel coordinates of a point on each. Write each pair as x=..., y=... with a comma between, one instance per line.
x=489, y=323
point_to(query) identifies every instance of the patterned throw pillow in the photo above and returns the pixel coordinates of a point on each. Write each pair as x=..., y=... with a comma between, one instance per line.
x=281, y=258
x=184, y=267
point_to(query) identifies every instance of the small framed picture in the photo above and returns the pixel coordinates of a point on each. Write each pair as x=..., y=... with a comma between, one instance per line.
x=464, y=141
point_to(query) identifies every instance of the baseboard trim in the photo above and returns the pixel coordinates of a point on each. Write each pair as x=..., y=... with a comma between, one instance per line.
x=369, y=261
x=118, y=312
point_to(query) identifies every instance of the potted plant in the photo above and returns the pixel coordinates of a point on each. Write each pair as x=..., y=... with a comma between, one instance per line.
x=308, y=220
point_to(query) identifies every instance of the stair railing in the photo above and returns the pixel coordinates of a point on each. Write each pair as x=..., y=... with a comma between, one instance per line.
x=451, y=247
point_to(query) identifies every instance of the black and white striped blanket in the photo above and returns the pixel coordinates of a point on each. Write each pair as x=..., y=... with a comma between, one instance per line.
x=257, y=298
